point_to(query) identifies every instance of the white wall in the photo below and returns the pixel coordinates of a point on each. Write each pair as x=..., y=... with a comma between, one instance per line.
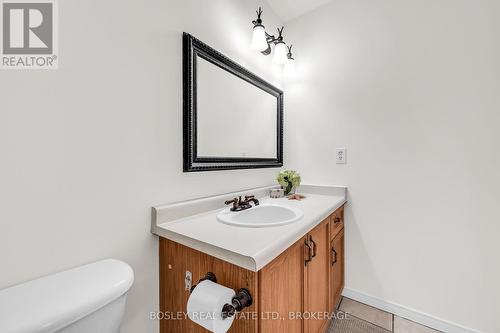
x=86, y=150
x=412, y=90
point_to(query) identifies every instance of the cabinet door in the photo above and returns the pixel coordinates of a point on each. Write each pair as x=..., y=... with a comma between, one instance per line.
x=281, y=285
x=337, y=268
x=317, y=291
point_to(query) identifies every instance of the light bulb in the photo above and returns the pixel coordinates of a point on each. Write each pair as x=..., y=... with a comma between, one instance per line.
x=259, y=41
x=289, y=68
x=280, y=53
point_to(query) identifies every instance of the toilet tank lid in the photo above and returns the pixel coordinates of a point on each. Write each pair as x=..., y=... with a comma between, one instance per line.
x=55, y=301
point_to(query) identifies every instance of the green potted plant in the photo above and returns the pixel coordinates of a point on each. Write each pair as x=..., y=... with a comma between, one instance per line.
x=289, y=180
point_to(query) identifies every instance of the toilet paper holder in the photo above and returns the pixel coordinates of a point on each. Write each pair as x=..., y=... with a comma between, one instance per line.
x=241, y=300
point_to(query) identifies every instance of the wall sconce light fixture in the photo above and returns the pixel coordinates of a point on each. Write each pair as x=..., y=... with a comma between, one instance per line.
x=262, y=41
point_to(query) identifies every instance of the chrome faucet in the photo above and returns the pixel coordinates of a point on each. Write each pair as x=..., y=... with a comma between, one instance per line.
x=239, y=204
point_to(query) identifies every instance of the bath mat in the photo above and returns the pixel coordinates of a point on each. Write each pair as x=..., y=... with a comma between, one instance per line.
x=354, y=325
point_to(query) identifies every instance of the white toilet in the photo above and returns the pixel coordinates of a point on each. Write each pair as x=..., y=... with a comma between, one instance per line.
x=85, y=299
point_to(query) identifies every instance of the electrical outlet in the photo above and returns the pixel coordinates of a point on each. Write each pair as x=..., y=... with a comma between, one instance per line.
x=340, y=156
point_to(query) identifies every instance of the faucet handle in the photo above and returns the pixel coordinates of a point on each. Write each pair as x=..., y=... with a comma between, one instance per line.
x=233, y=201
x=236, y=204
x=251, y=198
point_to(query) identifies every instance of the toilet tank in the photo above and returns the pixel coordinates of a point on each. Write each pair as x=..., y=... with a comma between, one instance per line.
x=75, y=300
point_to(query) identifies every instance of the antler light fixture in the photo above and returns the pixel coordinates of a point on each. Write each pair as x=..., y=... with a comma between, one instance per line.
x=262, y=41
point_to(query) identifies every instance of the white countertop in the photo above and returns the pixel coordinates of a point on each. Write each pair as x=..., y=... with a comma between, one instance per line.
x=250, y=248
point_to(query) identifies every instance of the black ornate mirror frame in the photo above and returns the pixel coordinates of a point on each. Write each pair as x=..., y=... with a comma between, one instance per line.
x=193, y=48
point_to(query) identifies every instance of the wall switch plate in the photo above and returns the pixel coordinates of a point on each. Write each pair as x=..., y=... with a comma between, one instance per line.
x=340, y=156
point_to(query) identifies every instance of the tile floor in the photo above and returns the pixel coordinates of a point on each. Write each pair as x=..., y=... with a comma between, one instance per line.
x=365, y=318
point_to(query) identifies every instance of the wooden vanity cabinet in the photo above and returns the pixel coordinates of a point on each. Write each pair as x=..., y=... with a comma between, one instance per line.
x=314, y=289
x=300, y=286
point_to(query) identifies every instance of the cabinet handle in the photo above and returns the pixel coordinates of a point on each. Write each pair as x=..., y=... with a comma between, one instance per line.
x=334, y=254
x=313, y=247
x=336, y=220
x=309, y=258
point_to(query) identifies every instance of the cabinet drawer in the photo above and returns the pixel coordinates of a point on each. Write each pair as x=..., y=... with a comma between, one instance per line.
x=336, y=222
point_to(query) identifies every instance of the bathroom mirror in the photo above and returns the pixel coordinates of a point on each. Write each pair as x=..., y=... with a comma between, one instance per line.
x=233, y=119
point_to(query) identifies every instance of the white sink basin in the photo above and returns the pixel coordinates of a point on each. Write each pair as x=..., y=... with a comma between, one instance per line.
x=264, y=215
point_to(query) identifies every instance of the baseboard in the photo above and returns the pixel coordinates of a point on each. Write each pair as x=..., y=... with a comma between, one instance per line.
x=408, y=313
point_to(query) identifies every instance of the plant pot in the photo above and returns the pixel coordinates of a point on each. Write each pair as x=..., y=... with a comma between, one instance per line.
x=289, y=189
